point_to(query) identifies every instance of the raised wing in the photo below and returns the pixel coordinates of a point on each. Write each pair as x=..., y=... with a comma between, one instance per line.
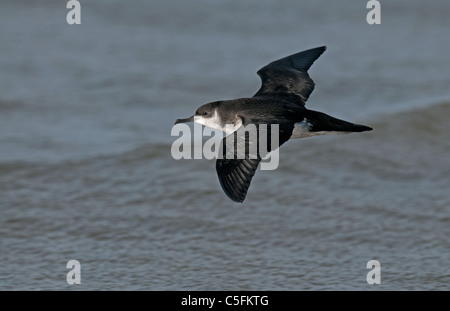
x=242, y=154
x=287, y=78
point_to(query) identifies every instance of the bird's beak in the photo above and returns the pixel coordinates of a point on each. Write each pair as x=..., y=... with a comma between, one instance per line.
x=190, y=119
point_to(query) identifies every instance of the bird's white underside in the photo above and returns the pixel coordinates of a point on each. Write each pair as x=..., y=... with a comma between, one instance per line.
x=303, y=130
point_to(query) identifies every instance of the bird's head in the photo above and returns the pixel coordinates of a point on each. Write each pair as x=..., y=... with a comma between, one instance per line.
x=205, y=114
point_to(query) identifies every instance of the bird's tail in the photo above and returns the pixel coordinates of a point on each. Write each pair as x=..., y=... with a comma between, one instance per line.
x=321, y=122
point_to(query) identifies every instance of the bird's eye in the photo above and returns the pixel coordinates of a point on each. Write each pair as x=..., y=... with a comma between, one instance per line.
x=204, y=113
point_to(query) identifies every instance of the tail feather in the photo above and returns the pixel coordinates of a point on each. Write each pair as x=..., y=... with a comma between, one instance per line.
x=322, y=122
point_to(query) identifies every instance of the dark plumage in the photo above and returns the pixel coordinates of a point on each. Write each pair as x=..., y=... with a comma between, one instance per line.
x=286, y=86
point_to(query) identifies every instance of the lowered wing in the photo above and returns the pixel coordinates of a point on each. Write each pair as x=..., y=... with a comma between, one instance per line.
x=241, y=157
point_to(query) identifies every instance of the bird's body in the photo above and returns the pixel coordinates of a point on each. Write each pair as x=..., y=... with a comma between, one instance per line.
x=229, y=115
x=285, y=88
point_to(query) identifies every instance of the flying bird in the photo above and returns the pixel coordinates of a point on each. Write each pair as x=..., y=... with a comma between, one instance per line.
x=285, y=88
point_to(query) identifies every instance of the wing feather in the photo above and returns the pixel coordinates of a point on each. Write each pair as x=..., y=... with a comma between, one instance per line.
x=235, y=175
x=288, y=78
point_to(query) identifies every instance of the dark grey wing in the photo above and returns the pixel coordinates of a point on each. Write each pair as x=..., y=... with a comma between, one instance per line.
x=288, y=78
x=241, y=155
x=235, y=176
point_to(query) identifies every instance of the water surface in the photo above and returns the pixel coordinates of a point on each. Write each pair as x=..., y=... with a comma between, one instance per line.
x=86, y=171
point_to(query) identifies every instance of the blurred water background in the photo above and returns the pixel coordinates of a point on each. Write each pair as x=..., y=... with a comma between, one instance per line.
x=86, y=171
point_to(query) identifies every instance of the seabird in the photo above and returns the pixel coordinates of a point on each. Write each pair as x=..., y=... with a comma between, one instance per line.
x=285, y=88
